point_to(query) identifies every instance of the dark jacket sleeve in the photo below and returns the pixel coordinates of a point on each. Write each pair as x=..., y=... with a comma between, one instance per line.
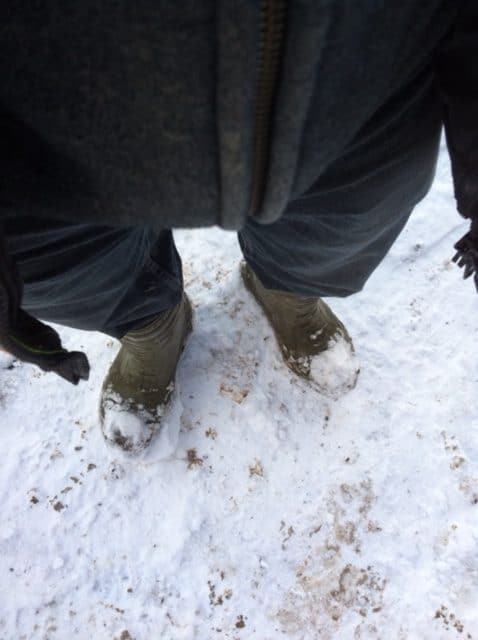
x=457, y=75
x=29, y=339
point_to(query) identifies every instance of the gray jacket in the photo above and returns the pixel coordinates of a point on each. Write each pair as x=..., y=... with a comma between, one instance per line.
x=194, y=113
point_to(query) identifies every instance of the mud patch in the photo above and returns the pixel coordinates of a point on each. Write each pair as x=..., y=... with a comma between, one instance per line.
x=234, y=392
x=467, y=484
x=450, y=621
x=239, y=372
x=328, y=585
x=193, y=459
x=216, y=599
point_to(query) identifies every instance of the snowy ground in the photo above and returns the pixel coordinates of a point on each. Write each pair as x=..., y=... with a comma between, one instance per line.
x=281, y=514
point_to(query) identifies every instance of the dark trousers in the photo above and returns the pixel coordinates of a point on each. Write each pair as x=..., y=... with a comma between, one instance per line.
x=327, y=243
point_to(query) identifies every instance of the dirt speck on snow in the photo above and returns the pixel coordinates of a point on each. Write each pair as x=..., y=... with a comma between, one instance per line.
x=450, y=621
x=215, y=599
x=256, y=469
x=193, y=459
x=211, y=433
x=240, y=624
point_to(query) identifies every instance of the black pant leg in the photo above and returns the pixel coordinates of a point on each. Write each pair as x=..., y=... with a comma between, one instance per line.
x=95, y=278
x=332, y=237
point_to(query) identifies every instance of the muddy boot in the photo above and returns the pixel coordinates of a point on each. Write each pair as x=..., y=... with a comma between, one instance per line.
x=138, y=388
x=314, y=343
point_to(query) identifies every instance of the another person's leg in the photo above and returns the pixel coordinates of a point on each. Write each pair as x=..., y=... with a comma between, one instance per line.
x=124, y=282
x=332, y=237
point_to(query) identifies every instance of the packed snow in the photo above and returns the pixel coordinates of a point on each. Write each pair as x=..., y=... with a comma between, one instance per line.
x=279, y=512
x=334, y=371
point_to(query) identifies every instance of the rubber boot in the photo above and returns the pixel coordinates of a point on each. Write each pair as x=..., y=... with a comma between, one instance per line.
x=138, y=388
x=314, y=343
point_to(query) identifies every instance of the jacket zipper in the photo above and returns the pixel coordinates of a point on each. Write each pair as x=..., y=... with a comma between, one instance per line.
x=272, y=38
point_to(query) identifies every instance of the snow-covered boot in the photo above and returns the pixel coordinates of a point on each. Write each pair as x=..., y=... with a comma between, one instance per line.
x=140, y=382
x=314, y=343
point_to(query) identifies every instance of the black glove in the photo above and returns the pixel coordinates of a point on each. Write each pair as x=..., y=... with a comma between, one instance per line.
x=467, y=253
x=28, y=339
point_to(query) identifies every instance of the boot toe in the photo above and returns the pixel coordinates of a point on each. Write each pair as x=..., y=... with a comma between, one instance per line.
x=126, y=426
x=335, y=370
